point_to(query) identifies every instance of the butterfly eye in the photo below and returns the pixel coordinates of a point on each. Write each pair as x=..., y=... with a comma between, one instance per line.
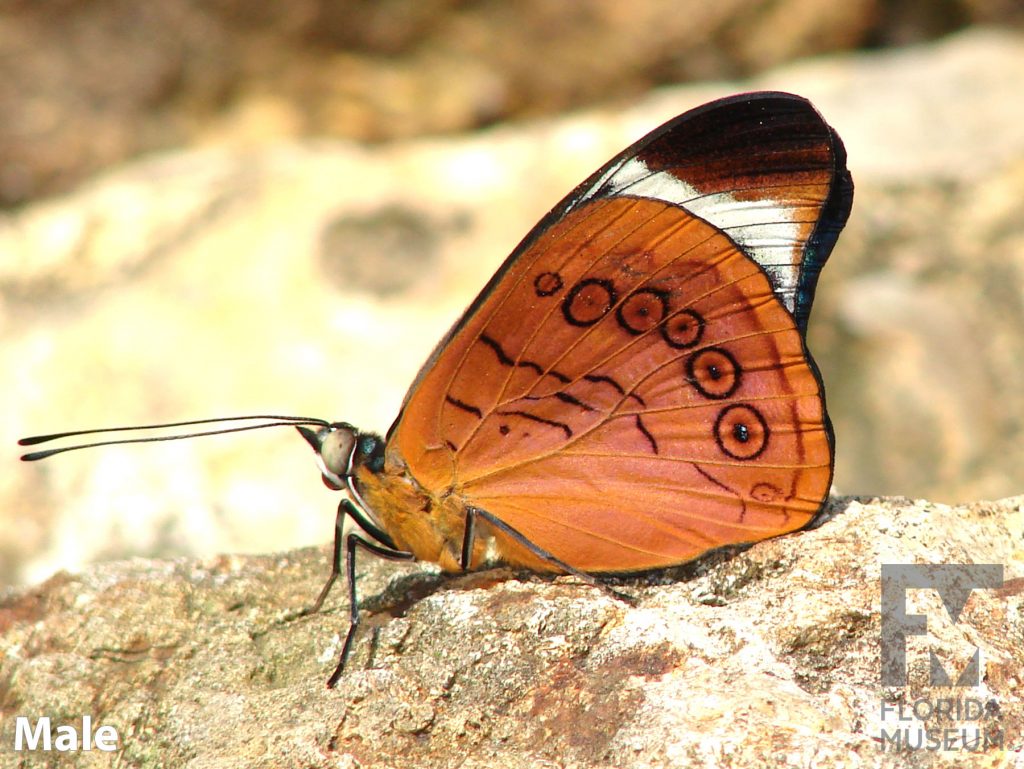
x=334, y=446
x=336, y=449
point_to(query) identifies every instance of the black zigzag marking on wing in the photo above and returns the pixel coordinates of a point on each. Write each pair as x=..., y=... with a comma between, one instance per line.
x=505, y=360
x=565, y=397
x=464, y=406
x=602, y=379
x=534, y=418
x=647, y=433
x=719, y=484
x=573, y=400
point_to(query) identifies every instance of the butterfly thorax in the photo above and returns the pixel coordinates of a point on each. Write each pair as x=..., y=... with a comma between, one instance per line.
x=430, y=526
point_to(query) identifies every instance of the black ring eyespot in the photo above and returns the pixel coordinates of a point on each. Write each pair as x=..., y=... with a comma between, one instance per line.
x=642, y=310
x=741, y=431
x=683, y=330
x=589, y=301
x=547, y=283
x=714, y=372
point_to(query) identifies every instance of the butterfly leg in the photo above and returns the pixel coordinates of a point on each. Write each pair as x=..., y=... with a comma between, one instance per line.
x=351, y=543
x=339, y=523
x=346, y=509
x=472, y=513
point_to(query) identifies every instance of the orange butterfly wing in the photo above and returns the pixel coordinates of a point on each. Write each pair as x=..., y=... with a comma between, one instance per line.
x=633, y=388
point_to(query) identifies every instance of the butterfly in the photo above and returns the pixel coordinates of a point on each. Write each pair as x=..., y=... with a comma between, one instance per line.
x=632, y=388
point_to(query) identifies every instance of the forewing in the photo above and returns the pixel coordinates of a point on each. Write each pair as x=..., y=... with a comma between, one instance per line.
x=632, y=388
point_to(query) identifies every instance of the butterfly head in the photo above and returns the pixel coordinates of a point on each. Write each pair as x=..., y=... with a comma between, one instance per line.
x=341, y=449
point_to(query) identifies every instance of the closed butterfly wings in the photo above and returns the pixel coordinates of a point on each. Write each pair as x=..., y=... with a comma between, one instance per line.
x=633, y=388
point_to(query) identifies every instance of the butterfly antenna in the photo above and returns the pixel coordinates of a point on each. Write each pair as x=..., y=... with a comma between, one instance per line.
x=268, y=420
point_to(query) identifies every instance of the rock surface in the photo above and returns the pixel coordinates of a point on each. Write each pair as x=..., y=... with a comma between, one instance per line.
x=770, y=656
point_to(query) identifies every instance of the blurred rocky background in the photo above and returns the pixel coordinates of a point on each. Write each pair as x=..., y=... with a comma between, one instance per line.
x=217, y=208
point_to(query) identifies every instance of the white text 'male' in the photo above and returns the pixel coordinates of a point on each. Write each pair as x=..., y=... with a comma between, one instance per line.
x=63, y=739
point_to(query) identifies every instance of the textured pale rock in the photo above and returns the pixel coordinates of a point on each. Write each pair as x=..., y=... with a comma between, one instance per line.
x=771, y=656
